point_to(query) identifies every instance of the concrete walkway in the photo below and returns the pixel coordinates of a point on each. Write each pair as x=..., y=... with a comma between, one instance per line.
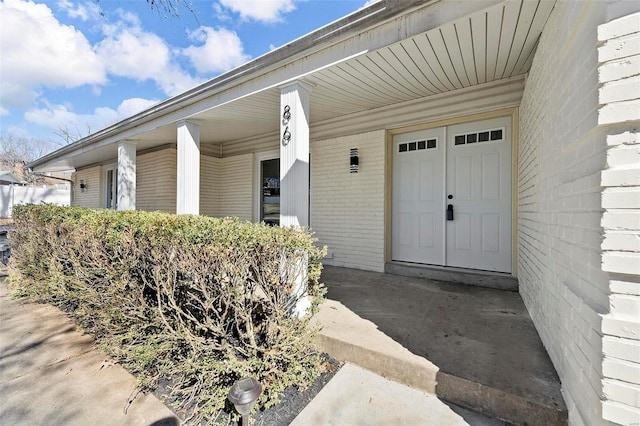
x=356, y=396
x=51, y=374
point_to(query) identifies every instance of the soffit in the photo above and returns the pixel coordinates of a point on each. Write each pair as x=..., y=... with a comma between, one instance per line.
x=492, y=44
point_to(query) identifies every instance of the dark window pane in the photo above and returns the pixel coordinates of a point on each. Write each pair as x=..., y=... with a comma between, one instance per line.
x=403, y=147
x=431, y=143
x=496, y=135
x=483, y=136
x=422, y=144
x=459, y=140
x=412, y=146
x=472, y=138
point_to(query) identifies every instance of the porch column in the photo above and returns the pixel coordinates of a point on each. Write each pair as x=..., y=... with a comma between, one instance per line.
x=126, y=176
x=294, y=179
x=188, y=168
x=294, y=154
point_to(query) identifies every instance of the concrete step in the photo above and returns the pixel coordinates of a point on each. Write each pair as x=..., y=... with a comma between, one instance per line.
x=488, y=279
x=347, y=337
x=471, y=346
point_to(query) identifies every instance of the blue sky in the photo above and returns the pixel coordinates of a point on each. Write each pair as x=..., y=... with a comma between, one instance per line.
x=74, y=67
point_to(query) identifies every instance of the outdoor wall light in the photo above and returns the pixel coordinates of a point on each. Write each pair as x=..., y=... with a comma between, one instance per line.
x=354, y=160
x=243, y=395
x=83, y=185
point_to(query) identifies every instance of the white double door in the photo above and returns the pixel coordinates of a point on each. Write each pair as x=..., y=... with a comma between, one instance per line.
x=452, y=196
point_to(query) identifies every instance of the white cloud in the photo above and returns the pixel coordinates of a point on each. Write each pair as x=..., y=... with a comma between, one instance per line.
x=129, y=51
x=222, y=50
x=260, y=10
x=38, y=51
x=84, y=11
x=132, y=106
x=58, y=117
x=134, y=53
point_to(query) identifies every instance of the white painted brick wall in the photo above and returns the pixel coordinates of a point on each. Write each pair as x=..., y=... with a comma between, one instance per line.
x=619, y=97
x=156, y=181
x=210, y=184
x=236, y=187
x=562, y=154
x=92, y=196
x=347, y=209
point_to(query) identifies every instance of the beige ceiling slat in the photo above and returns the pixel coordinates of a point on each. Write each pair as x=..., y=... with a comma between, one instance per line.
x=509, y=22
x=410, y=64
x=326, y=96
x=426, y=50
x=479, y=33
x=440, y=50
x=376, y=72
x=494, y=28
x=346, y=91
x=539, y=21
x=455, y=54
x=391, y=65
x=330, y=84
x=369, y=81
x=415, y=53
x=527, y=13
x=331, y=101
x=465, y=40
x=323, y=108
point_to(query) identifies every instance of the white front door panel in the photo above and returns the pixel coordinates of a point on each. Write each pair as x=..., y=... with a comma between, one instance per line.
x=479, y=184
x=418, y=193
x=472, y=173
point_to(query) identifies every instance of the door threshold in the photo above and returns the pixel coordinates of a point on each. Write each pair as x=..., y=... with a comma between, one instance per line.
x=495, y=280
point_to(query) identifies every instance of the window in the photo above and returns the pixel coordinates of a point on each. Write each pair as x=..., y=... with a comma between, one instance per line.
x=111, y=188
x=270, y=194
x=418, y=145
x=492, y=135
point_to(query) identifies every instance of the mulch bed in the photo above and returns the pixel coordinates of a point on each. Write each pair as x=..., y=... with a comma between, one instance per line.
x=292, y=401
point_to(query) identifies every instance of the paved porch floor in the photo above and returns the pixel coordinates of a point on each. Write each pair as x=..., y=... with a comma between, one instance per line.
x=473, y=346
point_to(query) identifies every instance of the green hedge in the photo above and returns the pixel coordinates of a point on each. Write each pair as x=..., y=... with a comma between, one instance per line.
x=192, y=302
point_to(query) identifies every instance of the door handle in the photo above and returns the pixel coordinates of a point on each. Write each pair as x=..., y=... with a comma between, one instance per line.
x=450, y=212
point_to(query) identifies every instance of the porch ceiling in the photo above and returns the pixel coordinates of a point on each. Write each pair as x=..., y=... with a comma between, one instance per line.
x=492, y=44
x=496, y=43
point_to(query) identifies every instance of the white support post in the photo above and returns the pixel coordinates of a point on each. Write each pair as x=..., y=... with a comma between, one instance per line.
x=126, y=176
x=294, y=154
x=188, y=170
x=294, y=180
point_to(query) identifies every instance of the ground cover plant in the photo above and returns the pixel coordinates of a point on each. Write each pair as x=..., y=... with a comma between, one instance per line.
x=191, y=302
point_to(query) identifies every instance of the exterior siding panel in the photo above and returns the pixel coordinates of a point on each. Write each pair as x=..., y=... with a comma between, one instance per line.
x=156, y=181
x=92, y=195
x=210, y=185
x=236, y=187
x=563, y=151
x=347, y=209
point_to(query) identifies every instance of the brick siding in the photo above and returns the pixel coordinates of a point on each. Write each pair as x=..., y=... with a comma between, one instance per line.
x=562, y=153
x=347, y=209
x=619, y=116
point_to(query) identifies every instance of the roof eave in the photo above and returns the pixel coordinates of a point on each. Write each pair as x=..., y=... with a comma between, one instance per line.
x=331, y=33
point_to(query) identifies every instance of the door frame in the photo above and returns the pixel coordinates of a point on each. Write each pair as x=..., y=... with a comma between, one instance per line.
x=388, y=181
x=259, y=157
x=111, y=167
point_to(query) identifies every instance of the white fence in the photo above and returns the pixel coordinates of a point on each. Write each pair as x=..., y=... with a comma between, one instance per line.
x=12, y=195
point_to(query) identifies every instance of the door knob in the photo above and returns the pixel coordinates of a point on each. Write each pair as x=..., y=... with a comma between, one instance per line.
x=450, y=212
